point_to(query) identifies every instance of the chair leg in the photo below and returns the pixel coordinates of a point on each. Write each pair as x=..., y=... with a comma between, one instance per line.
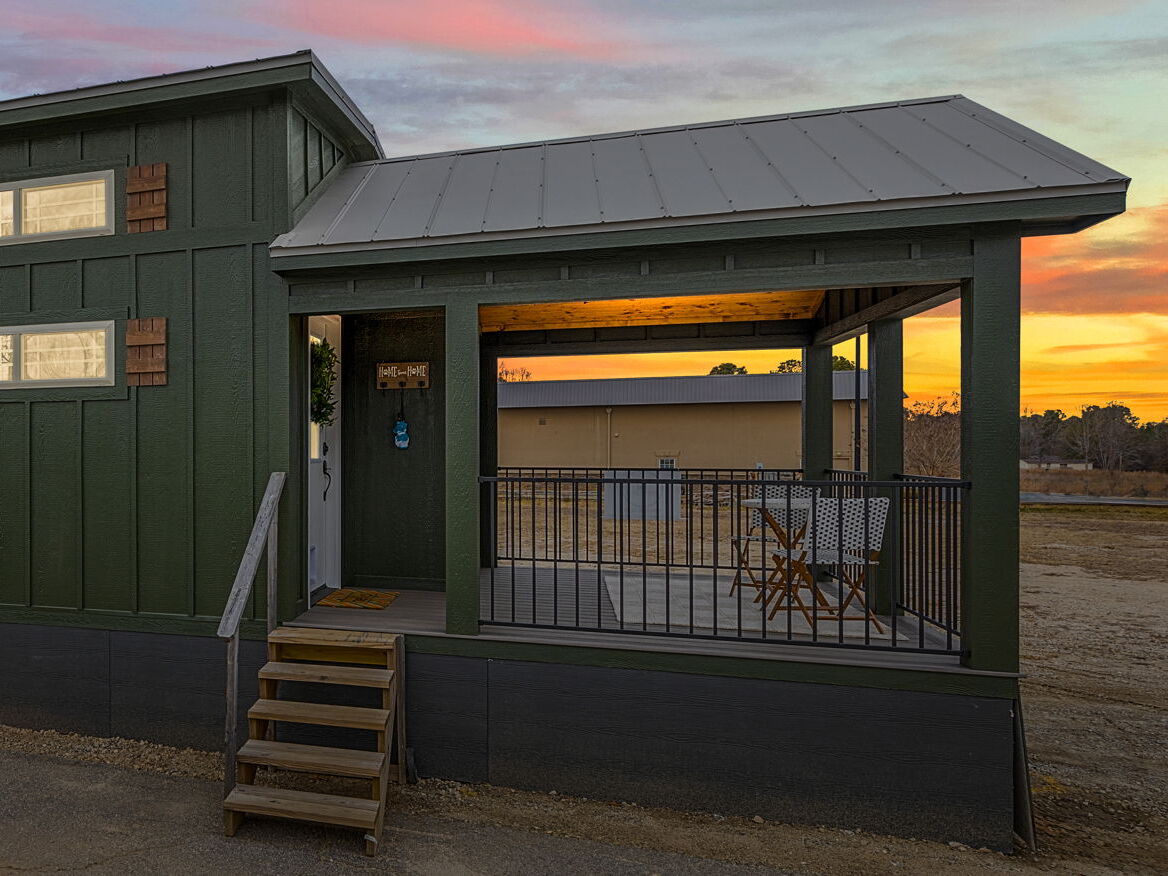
x=856, y=592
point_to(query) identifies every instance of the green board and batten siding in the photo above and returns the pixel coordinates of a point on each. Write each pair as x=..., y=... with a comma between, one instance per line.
x=130, y=507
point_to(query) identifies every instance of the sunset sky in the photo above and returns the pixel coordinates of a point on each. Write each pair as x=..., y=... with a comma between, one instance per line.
x=438, y=75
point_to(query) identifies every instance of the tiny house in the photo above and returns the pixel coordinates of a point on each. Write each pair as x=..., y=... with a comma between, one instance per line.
x=175, y=254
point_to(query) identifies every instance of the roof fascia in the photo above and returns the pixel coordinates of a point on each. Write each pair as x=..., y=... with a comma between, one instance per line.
x=1036, y=215
x=301, y=73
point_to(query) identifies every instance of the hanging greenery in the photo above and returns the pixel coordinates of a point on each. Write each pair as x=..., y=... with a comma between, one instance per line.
x=323, y=405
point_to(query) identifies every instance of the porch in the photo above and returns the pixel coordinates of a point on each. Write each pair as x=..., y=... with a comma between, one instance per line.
x=700, y=557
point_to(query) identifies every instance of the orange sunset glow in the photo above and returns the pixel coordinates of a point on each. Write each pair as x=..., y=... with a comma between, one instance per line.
x=1094, y=328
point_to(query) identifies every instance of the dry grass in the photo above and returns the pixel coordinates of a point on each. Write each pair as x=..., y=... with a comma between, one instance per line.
x=1097, y=483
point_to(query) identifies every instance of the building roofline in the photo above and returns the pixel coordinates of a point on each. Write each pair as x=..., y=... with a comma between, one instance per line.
x=671, y=390
x=162, y=87
x=611, y=135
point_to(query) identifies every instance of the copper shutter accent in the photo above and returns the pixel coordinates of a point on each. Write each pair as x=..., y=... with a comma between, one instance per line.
x=146, y=198
x=146, y=352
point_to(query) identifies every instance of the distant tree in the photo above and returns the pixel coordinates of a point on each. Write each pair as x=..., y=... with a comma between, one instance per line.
x=932, y=437
x=1107, y=435
x=727, y=368
x=795, y=366
x=1042, y=434
x=519, y=374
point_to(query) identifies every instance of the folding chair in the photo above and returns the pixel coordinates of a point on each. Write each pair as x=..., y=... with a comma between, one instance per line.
x=844, y=535
x=780, y=522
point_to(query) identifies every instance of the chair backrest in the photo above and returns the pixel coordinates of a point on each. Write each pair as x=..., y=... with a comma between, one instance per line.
x=855, y=525
x=777, y=494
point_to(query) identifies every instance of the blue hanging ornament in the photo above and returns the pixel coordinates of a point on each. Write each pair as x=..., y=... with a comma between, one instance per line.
x=401, y=429
x=401, y=435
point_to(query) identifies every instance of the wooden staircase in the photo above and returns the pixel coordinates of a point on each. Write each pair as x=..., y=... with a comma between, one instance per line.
x=371, y=660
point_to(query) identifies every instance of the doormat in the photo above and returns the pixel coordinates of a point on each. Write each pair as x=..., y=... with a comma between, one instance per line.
x=349, y=597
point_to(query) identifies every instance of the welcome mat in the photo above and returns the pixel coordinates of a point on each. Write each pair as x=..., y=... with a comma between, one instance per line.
x=350, y=597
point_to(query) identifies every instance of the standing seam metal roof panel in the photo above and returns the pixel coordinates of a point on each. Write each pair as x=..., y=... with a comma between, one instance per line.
x=570, y=193
x=741, y=169
x=416, y=200
x=627, y=191
x=517, y=195
x=705, y=389
x=467, y=193
x=364, y=212
x=943, y=150
x=683, y=177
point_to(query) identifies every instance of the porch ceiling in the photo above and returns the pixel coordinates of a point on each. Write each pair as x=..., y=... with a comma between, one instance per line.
x=681, y=309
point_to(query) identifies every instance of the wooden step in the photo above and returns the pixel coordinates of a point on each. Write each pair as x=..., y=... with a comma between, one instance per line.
x=333, y=638
x=312, y=758
x=319, y=713
x=303, y=806
x=358, y=676
x=332, y=646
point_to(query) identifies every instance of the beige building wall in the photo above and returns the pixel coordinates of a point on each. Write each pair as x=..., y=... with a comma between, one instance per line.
x=721, y=435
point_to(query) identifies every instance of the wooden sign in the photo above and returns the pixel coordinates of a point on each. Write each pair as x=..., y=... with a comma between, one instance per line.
x=403, y=375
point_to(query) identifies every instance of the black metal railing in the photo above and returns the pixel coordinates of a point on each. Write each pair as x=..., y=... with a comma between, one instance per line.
x=754, y=556
x=931, y=512
x=843, y=478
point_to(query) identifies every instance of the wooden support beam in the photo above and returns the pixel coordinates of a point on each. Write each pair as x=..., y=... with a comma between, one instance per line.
x=818, y=401
x=671, y=310
x=990, y=398
x=886, y=444
x=908, y=302
x=462, y=468
x=789, y=334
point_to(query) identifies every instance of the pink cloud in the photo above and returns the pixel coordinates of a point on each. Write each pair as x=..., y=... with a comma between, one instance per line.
x=75, y=26
x=494, y=27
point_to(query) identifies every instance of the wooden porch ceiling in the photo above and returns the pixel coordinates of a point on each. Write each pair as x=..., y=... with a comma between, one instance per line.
x=735, y=307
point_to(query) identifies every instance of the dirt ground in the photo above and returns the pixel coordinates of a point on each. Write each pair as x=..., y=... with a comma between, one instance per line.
x=1094, y=603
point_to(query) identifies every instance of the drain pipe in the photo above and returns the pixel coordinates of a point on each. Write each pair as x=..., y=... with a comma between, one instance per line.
x=608, y=437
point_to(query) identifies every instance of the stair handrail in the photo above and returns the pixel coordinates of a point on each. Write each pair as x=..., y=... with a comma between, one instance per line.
x=263, y=532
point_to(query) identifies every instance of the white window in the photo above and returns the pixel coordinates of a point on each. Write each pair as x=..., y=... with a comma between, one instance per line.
x=57, y=354
x=78, y=205
x=667, y=463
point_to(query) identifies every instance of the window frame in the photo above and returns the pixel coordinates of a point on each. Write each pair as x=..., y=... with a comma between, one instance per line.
x=17, y=185
x=48, y=328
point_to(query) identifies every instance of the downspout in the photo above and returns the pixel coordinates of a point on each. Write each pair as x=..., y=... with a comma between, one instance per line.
x=608, y=437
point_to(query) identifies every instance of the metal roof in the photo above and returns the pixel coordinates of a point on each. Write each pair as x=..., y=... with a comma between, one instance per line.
x=710, y=389
x=928, y=152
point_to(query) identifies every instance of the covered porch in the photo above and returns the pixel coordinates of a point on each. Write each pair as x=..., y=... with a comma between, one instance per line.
x=701, y=239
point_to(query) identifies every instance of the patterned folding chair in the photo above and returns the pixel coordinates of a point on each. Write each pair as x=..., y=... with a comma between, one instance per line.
x=844, y=535
x=779, y=523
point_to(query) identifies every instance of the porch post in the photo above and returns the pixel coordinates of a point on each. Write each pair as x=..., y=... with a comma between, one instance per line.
x=488, y=451
x=990, y=335
x=818, y=434
x=462, y=468
x=886, y=444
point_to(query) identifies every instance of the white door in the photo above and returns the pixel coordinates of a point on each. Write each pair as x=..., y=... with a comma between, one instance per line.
x=324, y=474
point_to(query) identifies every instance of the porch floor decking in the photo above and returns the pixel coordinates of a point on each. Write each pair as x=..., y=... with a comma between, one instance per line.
x=423, y=613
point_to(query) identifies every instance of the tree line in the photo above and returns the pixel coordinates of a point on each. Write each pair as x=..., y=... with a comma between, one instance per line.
x=1109, y=436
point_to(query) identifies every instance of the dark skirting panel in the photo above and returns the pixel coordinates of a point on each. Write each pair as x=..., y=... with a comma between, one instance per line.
x=916, y=764
x=935, y=766
x=170, y=689
x=55, y=677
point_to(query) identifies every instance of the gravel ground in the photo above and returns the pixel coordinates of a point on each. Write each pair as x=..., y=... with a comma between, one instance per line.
x=1093, y=606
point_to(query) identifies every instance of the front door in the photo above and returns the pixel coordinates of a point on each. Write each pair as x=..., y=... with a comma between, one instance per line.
x=324, y=468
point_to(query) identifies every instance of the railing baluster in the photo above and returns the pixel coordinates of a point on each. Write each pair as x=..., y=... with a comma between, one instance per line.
x=923, y=608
